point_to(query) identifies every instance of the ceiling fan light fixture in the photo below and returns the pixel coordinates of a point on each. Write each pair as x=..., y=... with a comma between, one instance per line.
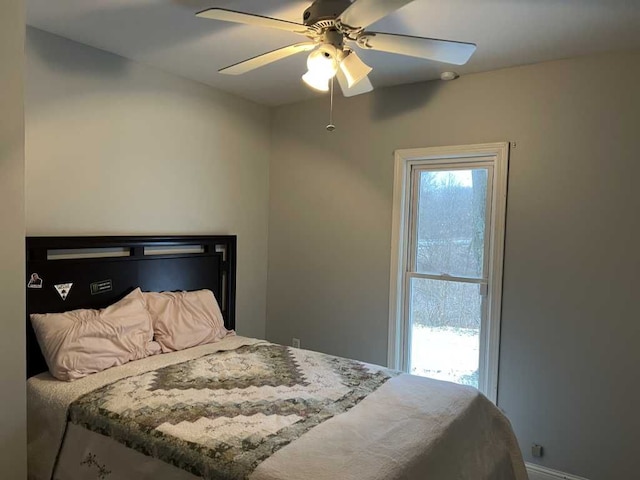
x=328, y=26
x=323, y=66
x=316, y=81
x=354, y=69
x=322, y=61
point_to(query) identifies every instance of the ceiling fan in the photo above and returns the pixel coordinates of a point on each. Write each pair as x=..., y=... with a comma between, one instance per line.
x=333, y=27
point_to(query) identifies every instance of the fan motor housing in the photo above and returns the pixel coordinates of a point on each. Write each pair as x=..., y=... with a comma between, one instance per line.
x=323, y=10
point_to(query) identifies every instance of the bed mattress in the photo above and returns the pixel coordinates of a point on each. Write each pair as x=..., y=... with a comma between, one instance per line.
x=247, y=409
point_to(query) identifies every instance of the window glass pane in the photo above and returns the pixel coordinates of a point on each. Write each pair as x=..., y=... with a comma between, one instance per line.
x=445, y=330
x=451, y=222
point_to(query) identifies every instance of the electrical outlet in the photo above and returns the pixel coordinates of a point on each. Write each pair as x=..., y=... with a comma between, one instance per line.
x=295, y=342
x=536, y=450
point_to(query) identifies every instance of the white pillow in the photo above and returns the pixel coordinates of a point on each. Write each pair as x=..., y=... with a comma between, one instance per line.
x=185, y=319
x=80, y=342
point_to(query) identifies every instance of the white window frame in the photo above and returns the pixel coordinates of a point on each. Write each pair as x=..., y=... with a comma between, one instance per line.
x=496, y=155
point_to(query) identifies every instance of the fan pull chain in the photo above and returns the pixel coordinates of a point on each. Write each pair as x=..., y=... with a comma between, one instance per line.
x=331, y=127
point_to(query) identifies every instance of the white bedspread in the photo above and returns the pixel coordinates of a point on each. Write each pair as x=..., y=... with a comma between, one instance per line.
x=409, y=428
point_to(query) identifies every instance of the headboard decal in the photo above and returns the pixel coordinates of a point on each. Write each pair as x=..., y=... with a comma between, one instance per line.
x=102, y=270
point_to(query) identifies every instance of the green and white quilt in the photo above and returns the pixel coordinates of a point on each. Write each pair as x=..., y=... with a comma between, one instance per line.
x=220, y=415
x=247, y=409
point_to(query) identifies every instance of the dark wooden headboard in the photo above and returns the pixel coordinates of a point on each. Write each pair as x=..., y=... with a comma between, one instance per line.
x=102, y=270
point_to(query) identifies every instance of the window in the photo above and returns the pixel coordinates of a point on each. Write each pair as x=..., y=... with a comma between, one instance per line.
x=446, y=275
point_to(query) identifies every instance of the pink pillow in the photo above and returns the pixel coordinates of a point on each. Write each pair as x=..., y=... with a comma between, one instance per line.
x=185, y=319
x=80, y=342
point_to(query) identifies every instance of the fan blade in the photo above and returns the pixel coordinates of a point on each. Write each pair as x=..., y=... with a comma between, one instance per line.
x=267, y=58
x=251, y=19
x=457, y=53
x=362, y=13
x=354, y=69
x=363, y=86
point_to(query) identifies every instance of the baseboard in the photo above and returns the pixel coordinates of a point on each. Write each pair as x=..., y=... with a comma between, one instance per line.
x=536, y=472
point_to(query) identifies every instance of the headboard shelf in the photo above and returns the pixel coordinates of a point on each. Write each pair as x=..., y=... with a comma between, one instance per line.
x=108, y=268
x=37, y=247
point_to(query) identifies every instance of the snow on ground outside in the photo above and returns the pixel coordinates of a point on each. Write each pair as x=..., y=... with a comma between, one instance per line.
x=445, y=353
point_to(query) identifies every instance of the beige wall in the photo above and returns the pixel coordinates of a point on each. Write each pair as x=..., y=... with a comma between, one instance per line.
x=12, y=277
x=114, y=147
x=570, y=326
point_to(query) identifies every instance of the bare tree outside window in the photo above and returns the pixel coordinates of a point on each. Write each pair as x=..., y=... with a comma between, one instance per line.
x=446, y=314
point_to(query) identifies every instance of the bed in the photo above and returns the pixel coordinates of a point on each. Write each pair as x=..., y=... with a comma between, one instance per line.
x=239, y=407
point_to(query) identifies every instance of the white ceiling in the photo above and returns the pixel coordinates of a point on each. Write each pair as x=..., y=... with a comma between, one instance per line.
x=166, y=34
